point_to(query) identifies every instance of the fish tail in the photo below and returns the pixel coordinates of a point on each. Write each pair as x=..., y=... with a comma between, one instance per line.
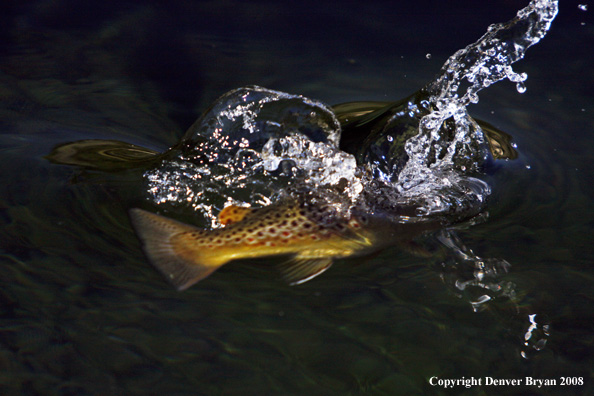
x=163, y=244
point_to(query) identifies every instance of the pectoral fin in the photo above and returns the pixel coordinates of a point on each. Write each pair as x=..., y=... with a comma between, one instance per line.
x=415, y=249
x=168, y=245
x=299, y=270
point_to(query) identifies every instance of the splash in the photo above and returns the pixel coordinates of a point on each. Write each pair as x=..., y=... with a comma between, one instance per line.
x=448, y=144
x=251, y=146
x=254, y=144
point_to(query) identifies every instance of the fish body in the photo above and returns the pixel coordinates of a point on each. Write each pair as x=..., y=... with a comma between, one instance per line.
x=311, y=235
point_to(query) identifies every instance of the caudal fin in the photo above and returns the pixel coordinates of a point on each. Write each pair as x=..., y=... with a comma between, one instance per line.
x=181, y=265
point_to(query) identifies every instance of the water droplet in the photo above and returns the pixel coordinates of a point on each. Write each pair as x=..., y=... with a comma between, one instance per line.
x=521, y=87
x=528, y=167
x=428, y=56
x=583, y=7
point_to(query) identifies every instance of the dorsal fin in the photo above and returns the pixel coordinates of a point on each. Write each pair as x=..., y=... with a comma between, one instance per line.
x=233, y=214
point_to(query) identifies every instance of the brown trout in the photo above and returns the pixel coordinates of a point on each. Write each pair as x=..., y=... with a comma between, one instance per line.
x=311, y=235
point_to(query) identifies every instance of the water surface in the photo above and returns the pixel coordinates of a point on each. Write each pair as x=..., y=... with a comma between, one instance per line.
x=82, y=311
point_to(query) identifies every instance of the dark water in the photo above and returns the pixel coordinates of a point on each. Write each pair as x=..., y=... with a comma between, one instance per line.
x=83, y=313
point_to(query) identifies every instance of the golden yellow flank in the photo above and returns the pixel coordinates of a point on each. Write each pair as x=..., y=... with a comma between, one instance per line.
x=310, y=235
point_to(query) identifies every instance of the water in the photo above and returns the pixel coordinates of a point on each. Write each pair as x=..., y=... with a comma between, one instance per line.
x=84, y=313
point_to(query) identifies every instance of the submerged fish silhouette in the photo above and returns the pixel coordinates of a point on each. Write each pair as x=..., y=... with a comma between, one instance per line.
x=312, y=235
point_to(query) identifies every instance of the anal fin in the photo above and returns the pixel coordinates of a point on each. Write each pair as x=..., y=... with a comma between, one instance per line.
x=299, y=270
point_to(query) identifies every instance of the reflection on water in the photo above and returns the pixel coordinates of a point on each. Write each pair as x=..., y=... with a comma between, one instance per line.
x=82, y=312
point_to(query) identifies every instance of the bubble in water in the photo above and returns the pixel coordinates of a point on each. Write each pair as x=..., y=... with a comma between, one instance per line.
x=428, y=56
x=583, y=7
x=321, y=163
x=521, y=87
